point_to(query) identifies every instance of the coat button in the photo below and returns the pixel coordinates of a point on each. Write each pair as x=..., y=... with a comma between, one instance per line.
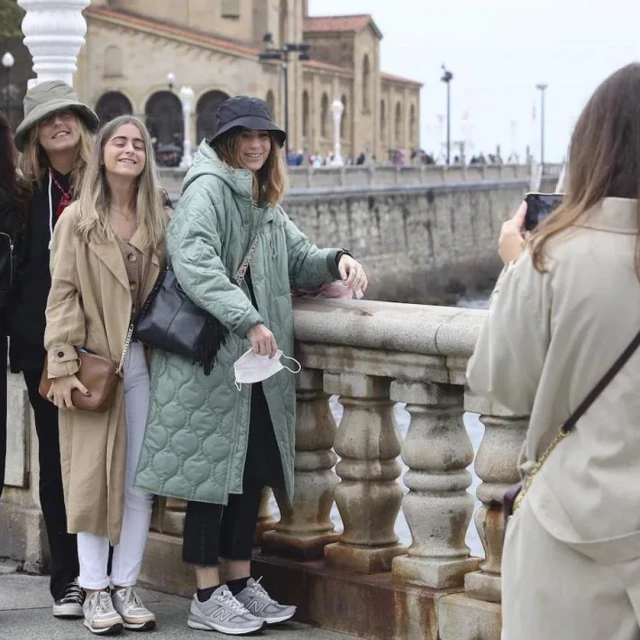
x=132, y=257
x=60, y=354
x=133, y=285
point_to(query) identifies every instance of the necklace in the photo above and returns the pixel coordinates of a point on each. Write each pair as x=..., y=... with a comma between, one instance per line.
x=66, y=195
x=129, y=217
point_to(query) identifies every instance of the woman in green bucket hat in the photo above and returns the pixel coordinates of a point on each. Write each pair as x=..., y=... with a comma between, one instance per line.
x=55, y=140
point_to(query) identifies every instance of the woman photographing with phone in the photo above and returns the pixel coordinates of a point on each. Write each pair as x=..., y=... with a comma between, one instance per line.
x=561, y=345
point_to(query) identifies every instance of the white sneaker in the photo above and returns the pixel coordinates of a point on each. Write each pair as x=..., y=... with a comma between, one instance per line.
x=257, y=601
x=222, y=612
x=135, y=615
x=99, y=615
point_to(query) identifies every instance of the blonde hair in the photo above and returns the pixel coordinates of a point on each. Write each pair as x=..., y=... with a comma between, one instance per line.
x=34, y=161
x=95, y=197
x=270, y=181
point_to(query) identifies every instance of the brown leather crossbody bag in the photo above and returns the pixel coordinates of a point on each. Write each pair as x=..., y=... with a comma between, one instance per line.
x=98, y=374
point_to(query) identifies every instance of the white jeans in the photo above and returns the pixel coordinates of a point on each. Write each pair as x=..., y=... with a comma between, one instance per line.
x=93, y=550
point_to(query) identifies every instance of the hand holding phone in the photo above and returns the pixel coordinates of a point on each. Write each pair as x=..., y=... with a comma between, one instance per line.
x=539, y=207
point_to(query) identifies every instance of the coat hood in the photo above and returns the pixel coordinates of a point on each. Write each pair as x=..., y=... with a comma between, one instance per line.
x=207, y=163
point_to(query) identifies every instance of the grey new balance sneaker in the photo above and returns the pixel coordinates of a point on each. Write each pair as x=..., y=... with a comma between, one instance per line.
x=222, y=612
x=261, y=604
x=70, y=604
x=99, y=615
x=135, y=615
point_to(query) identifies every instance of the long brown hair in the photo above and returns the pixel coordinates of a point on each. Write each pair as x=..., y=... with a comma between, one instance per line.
x=14, y=193
x=95, y=196
x=34, y=160
x=604, y=158
x=270, y=182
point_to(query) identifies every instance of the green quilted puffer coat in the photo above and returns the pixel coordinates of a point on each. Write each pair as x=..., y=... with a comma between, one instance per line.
x=196, y=439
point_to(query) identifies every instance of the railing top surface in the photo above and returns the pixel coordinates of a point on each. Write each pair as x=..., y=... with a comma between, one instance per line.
x=411, y=328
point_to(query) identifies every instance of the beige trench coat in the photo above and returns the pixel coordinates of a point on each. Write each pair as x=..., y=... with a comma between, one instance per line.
x=89, y=305
x=547, y=341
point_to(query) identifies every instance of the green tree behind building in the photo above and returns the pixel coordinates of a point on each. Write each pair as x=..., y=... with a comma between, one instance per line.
x=10, y=19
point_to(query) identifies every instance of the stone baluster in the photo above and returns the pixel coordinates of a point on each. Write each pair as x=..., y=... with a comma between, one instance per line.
x=54, y=34
x=305, y=527
x=369, y=495
x=497, y=466
x=267, y=518
x=438, y=507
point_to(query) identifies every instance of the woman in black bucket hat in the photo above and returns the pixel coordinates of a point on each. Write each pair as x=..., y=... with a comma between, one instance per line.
x=217, y=440
x=55, y=139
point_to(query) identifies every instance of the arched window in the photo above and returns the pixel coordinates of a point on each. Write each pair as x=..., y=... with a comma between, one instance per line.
x=112, y=62
x=305, y=114
x=111, y=105
x=271, y=103
x=163, y=113
x=324, y=116
x=366, y=84
x=398, y=127
x=206, y=110
x=412, y=125
x=383, y=121
x=344, y=123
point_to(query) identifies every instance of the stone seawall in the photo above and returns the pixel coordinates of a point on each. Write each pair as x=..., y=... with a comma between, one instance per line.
x=419, y=244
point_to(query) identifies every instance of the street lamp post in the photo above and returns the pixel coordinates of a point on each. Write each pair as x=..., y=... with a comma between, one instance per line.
x=541, y=87
x=337, y=109
x=8, y=62
x=447, y=77
x=282, y=55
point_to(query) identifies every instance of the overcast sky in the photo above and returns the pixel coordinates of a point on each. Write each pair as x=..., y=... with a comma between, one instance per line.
x=498, y=50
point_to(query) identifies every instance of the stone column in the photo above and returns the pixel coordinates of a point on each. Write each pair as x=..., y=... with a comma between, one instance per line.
x=369, y=495
x=186, y=98
x=305, y=527
x=497, y=466
x=54, y=34
x=337, y=109
x=438, y=507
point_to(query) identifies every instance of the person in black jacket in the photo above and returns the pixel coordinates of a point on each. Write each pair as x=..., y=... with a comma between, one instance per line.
x=13, y=202
x=55, y=139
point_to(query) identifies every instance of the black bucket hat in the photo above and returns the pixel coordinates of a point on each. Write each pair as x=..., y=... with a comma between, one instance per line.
x=246, y=113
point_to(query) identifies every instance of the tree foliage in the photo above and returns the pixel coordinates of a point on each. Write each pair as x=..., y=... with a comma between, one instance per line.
x=10, y=19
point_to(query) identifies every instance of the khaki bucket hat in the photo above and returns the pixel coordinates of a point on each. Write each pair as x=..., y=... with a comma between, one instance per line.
x=45, y=99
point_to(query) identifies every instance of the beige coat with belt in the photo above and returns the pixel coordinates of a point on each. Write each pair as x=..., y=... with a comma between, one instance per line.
x=89, y=305
x=548, y=339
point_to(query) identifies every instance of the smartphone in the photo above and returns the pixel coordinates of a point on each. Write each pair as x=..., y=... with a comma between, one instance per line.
x=539, y=206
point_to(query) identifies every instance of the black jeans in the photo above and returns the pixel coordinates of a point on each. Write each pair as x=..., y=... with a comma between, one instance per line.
x=64, y=551
x=214, y=531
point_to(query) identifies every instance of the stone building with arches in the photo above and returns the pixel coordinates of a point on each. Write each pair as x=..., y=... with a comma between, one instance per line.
x=213, y=46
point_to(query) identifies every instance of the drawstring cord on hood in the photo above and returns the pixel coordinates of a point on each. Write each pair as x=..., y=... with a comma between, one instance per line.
x=50, y=211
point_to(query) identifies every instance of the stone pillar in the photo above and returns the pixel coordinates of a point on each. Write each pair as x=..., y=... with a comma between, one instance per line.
x=438, y=507
x=497, y=466
x=266, y=517
x=369, y=495
x=54, y=34
x=186, y=98
x=305, y=527
x=337, y=109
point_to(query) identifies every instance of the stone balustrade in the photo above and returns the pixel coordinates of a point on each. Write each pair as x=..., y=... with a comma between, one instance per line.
x=359, y=176
x=370, y=355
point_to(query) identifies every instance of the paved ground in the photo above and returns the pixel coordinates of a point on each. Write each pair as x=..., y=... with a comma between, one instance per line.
x=25, y=614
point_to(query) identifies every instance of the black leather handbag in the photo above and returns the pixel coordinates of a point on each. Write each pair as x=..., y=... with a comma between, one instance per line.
x=170, y=321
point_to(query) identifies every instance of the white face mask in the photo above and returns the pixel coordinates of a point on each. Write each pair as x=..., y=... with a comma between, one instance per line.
x=250, y=367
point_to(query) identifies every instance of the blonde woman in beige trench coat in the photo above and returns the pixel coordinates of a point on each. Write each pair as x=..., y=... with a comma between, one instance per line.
x=107, y=252
x=564, y=309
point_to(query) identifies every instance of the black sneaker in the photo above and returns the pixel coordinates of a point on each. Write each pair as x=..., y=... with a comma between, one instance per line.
x=70, y=604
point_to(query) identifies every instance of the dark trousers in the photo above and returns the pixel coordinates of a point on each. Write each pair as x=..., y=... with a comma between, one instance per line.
x=214, y=531
x=64, y=552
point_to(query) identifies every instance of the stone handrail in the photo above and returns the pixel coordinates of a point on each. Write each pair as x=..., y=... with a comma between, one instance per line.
x=371, y=355
x=302, y=178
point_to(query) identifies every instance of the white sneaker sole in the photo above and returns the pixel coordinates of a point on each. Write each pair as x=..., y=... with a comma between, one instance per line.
x=105, y=631
x=147, y=625
x=68, y=610
x=212, y=626
x=280, y=619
